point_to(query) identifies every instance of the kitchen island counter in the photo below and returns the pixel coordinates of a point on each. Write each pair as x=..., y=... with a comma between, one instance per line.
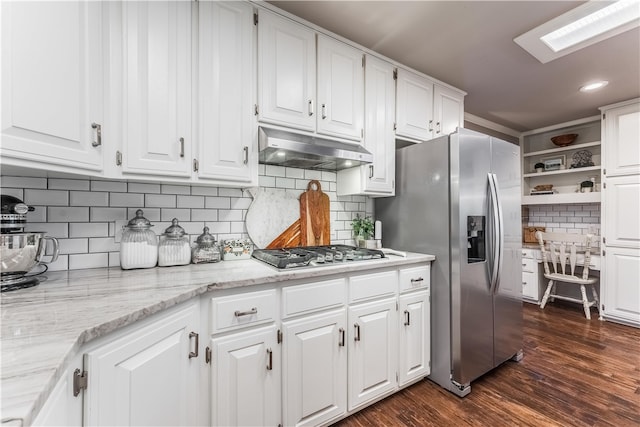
x=44, y=327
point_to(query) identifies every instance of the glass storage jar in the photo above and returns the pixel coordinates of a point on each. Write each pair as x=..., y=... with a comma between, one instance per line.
x=139, y=244
x=174, y=246
x=206, y=249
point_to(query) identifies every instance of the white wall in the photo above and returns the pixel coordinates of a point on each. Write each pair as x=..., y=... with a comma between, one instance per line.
x=81, y=213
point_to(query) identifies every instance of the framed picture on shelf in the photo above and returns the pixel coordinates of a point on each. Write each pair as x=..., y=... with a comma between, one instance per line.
x=554, y=163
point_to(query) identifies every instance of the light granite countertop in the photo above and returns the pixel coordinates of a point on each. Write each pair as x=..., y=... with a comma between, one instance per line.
x=44, y=327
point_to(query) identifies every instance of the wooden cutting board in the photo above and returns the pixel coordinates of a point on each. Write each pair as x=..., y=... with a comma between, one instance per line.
x=315, y=223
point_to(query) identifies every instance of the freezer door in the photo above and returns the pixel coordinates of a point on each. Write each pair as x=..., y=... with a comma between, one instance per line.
x=505, y=164
x=471, y=256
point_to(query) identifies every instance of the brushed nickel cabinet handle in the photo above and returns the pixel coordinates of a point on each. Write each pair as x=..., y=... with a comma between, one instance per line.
x=341, y=342
x=181, y=147
x=238, y=313
x=246, y=155
x=324, y=111
x=311, y=107
x=194, y=353
x=407, y=317
x=98, y=128
x=438, y=127
x=418, y=280
x=357, y=335
x=430, y=125
x=370, y=171
x=270, y=364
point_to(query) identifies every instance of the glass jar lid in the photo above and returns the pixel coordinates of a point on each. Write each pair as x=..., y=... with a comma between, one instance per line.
x=206, y=239
x=174, y=230
x=139, y=222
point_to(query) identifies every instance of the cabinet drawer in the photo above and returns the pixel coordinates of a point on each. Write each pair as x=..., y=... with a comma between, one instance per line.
x=415, y=277
x=241, y=310
x=372, y=285
x=529, y=265
x=528, y=253
x=530, y=285
x=313, y=296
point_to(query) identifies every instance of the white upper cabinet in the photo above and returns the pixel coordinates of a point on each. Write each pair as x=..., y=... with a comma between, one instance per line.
x=426, y=109
x=226, y=139
x=340, y=89
x=414, y=108
x=286, y=72
x=448, y=110
x=52, y=85
x=377, y=178
x=156, y=110
x=621, y=133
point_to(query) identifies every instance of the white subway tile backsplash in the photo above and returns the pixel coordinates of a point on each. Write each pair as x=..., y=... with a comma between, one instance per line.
x=90, y=229
x=191, y=202
x=230, y=215
x=118, y=186
x=79, y=261
x=138, y=187
x=204, y=215
x=88, y=198
x=273, y=170
x=46, y=197
x=23, y=182
x=126, y=200
x=53, y=229
x=230, y=192
x=240, y=203
x=267, y=181
x=107, y=214
x=152, y=214
x=62, y=263
x=67, y=214
x=285, y=183
x=217, y=202
x=329, y=176
x=39, y=214
x=238, y=227
x=103, y=244
x=204, y=191
x=219, y=227
x=73, y=246
x=68, y=184
x=15, y=192
x=175, y=189
x=312, y=174
x=114, y=259
x=294, y=173
x=160, y=201
x=183, y=215
x=574, y=218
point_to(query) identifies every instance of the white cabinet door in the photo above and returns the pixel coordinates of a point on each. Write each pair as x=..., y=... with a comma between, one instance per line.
x=226, y=140
x=315, y=369
x=376, y=179
x=52, y=84
x=146, y=377
x=372, y=359
x=620, y=290
x=415, y=337
x=340, y=89
x=156, y=112
x=62, y=408
x=448, y=110
x=245, y=379
x=621, y=211
x=621, y=135
x=414, y=108
x=286, y=72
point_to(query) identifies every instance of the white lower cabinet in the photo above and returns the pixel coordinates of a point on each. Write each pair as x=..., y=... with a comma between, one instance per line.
x=414, y=346
x=245, y=378
x=148, y=376
x=62, y=408
x=530, y=276
x=315, y=369
x=372, y=350
x=621, y=294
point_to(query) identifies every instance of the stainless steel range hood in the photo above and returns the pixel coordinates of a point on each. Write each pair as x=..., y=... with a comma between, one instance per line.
x=290, y=149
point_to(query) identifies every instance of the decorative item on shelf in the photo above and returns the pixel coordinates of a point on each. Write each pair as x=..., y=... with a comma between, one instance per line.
x=542, y=189
x=581, y=159
x=206, y=249
x=587, y=186
x=564, y=140
x=362, y=230
x=539, y=167
x=554, y=163
x=236, y=249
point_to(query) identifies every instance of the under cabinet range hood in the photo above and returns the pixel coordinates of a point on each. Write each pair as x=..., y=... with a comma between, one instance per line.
x=284, y=148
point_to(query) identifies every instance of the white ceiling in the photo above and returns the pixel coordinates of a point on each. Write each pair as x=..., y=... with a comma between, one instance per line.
x=469, y=44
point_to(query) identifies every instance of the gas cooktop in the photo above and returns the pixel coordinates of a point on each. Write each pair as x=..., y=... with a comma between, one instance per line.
x=314, y=255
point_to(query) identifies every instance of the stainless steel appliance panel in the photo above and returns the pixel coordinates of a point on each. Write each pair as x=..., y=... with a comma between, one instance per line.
x=471, y=298
x=417, y=219
x=508, y=296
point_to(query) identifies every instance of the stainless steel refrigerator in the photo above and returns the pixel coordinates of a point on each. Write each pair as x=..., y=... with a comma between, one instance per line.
x=458, y=198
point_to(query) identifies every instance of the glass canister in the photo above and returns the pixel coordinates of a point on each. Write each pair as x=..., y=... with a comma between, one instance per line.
x=174, y=246
x=139, y=244
x=206, y=249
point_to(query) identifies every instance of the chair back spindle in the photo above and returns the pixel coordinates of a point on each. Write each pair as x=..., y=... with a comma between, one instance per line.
x=561, y=250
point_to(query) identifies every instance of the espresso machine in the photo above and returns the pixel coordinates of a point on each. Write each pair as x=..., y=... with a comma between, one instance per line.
x=20, y=251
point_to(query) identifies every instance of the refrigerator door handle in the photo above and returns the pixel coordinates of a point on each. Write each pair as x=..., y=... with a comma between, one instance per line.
x=494, y=218
x=500, y=233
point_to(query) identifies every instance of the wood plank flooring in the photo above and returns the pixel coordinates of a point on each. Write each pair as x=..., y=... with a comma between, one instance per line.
x=575, y=372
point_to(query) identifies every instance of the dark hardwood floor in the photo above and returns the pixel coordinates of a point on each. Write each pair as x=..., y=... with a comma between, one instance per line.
x=575, y=372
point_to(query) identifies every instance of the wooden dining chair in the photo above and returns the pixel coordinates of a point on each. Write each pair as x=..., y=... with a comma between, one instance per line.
x=560, y=257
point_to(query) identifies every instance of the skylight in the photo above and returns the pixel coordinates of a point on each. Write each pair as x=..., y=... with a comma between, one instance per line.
x=583, y=26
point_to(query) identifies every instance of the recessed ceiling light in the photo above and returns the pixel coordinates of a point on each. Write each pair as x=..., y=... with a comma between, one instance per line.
x=583, y=26
x=594, y=86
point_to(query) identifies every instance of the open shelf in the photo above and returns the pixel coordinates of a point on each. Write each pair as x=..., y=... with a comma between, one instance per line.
x=561, y=198
x=561, y=149
x=561, y=172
